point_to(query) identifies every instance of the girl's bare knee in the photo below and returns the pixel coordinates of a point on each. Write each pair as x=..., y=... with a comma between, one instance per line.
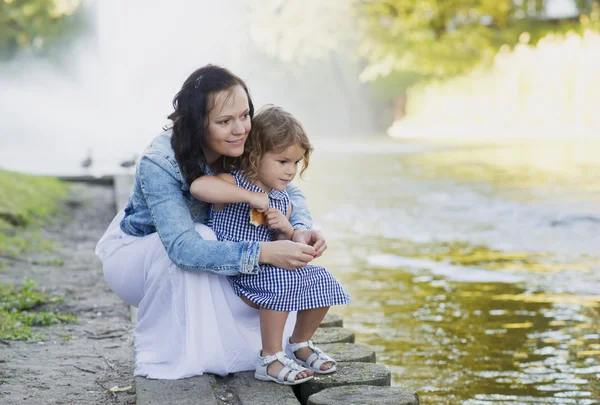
x=250, y=303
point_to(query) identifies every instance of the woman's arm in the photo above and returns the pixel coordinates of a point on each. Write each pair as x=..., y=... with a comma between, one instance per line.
x=221, y=189
x=173, y=222
x=301, y=217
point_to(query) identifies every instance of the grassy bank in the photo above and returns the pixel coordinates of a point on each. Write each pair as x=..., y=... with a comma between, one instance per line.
x=27, y=203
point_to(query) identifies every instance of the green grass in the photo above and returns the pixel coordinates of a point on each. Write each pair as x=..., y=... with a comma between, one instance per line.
x=26, y=201
x=18, y=305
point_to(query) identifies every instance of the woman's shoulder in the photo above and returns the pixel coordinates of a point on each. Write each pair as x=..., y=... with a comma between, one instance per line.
x=160, y=153
x=161, y=145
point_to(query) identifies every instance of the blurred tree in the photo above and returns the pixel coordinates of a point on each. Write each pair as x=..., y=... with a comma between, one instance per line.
x=300, y=32
x=398, y=43
x=37, y=24
x=441, y=38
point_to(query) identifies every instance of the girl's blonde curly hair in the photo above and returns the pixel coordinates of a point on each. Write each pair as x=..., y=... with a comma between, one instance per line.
x=273, y=130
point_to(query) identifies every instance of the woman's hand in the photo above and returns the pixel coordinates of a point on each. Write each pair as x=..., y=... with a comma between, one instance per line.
x=286, y=254
x=312, y=238
x=276, y=220
x=260, y=201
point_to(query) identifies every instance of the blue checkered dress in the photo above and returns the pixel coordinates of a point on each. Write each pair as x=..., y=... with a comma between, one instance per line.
x=274, y=288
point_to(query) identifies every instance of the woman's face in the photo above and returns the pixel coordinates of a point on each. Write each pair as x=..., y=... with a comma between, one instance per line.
x=228, y=124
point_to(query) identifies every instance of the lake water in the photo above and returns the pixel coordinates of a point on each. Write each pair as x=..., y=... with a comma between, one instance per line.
x=474, y=266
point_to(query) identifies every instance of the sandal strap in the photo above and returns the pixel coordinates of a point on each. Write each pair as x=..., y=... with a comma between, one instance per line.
x=297, y=346
x=292, y=375
x=320, y=353
x=292, y=364
x=266, y=360
x=288, y=363
x=319, y=357
x=285, y=374
x=279, y=356
x=312, y=358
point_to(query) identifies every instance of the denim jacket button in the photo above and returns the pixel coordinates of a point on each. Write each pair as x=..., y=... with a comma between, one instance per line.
x=249, y=267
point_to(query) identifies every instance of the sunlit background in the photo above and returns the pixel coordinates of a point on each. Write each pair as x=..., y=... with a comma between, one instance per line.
x=456, y=171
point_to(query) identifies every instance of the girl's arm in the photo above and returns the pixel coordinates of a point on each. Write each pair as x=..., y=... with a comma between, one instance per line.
x=276, y=220
x=221, y=189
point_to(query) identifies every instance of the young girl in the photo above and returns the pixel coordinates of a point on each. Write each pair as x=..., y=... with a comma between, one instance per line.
x=277, y=144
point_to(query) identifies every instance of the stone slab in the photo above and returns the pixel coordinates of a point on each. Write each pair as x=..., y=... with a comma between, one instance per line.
x=364, y=395
x=332, y=320
x=208, y=389
x=333, y=335
x=249, y=391
x=187, y=391
x=347, y=352
x=346, y=374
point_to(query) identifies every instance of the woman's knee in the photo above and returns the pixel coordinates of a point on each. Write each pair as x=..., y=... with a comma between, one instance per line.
x=205, y=232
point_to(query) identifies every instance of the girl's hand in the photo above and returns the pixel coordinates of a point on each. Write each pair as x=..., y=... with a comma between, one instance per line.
x=276, y=220
x=312, y=238
x=260, y=201
x=285, y=254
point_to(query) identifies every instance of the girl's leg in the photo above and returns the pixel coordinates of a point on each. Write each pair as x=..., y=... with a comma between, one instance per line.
x=271, y=330
x=307, y=323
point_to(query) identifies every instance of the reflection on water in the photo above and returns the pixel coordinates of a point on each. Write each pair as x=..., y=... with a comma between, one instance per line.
x=474, y=266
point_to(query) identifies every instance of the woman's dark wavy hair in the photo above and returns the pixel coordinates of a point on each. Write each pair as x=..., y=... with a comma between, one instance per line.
x=192, y=105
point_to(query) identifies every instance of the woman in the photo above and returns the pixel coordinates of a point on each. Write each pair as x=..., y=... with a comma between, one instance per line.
x=159, y=256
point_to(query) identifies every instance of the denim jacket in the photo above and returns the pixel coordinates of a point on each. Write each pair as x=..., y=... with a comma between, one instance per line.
x=161, y=202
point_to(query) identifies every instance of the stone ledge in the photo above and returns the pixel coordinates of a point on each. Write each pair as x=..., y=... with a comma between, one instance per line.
x=246, y=390
x=333, y=335
x=346, y=374
x=188, y=391
x=349, y=352
x=364, y=395
x=209, y=389
x=332, y=320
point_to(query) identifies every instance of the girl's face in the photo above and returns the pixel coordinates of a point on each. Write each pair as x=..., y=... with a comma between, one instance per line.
x=228, y=124
x=277, y=170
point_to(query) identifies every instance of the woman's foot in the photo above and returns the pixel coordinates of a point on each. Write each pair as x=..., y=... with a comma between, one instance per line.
x=304, y=353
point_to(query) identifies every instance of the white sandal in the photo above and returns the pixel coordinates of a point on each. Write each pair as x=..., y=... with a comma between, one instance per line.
x=291, y=368
x=314, y=361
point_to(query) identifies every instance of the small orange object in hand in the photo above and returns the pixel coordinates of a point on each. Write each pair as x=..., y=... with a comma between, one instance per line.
x=256, y=217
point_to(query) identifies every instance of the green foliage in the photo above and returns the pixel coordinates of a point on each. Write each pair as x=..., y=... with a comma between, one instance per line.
x=396, y=81
x=554, y=85
x=26, y=200
x=37, y=24
x=17, y=317
x=441, y=39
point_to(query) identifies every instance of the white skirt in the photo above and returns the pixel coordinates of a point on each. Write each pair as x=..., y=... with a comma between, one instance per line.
x=189, y=322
